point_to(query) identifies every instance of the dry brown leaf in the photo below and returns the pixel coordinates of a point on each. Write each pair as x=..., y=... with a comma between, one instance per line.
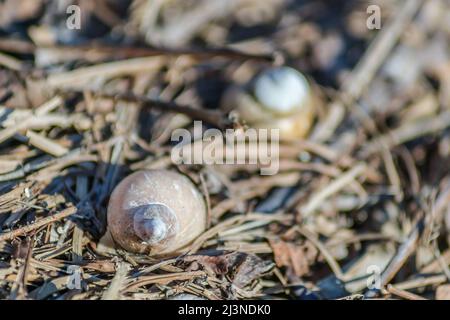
x=443, y=292
x=243, y=268
x=251, y=269
x=298, y=257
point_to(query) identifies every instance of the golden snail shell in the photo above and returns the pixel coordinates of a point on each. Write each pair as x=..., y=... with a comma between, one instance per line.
x=277, y=98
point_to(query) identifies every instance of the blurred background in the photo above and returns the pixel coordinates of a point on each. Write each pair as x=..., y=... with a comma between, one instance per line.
x=385, y=107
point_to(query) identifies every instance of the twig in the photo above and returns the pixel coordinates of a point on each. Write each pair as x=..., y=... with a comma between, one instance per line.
x=403, y=253
x=409, y=132
x=403, y=294
x=339, y=183
x=324, y=251
x=114, y=289
x=218, y=119
x=81, y=77
x=18, y=290
x=95, y=51
x=10, y=62
x=46, y=144
x=207, y=199
x=16, y=46
x=197, y=244
x=163, y=279
x=43, y=222
x=421, y=282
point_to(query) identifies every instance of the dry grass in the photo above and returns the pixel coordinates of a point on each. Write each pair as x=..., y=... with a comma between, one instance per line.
x=370, y=186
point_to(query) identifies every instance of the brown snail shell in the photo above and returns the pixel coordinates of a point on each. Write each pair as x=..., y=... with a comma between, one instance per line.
x=155, y=212
x=277, y=98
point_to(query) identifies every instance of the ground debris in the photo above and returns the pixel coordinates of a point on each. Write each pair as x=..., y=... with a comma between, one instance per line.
x=357, y=209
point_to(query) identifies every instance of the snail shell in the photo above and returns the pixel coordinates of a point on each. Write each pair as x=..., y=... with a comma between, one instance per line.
x=156, y=212
x=277, y=98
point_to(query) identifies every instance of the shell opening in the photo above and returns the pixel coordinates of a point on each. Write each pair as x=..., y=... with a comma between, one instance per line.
x=155, y=223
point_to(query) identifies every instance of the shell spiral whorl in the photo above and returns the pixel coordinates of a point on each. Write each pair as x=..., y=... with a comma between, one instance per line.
x=155, y=223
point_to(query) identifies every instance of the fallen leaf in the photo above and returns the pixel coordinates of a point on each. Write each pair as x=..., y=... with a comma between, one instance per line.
x=443, y=292
x=243, y=268
x=251, y=269
x=298, y=257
